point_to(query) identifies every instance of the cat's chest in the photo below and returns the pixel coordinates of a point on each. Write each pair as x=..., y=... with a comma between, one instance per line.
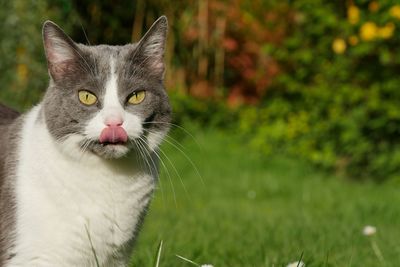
x=61, y=193
x=65, y=219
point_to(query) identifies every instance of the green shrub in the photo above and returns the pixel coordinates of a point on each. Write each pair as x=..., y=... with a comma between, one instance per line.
x=23, y=68
x=335, y=102
x=341, y=129
x=210, y=113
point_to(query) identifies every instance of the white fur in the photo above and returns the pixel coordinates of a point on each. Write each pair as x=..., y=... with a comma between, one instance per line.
x=60, y=196
x=154, y=139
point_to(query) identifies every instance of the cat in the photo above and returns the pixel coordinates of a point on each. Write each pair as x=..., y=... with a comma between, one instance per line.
x=78, y=170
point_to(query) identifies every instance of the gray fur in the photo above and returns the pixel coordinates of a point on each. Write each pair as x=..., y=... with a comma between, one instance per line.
x=10, y=124
x=139, y=66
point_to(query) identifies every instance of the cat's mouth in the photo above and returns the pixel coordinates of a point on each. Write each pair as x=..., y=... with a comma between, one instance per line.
x=120, y=143
x=107, y=149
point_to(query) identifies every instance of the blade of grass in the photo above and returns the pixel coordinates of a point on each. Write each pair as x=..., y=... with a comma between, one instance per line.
x=158, y=255
x=187, y=260
x=301, y=258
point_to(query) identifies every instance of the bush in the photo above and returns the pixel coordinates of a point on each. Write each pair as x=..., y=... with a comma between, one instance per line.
x=336, y=102
x=340, y=129
x=210, y=113
x=23, y=68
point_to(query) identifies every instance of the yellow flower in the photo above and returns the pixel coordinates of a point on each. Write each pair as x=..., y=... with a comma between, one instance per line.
x=386, y=31
x=353, y=40
x=339, y=46
x=353, y=14
x=373, y=6
x=22, y=72
x=395, y=11
x=368, y=31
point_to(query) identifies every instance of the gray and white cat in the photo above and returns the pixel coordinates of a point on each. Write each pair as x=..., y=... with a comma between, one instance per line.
x=78, y=170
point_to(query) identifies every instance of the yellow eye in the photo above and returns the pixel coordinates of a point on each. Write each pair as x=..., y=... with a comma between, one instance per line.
x=137, y=97
x=87, y=98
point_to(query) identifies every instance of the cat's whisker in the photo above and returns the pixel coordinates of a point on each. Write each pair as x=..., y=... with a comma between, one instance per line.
x=170, y=162
x=186, y=156
x=168, y=174
x=146, y=156
x=176, y=171
x=64, y=138
x=139, y=158
x=143, y=157
x=169, y=177
x=84, y=33
x=176, y=126
x=189, y=159
x=141, y=150
x=164, y=166
x=84, y=148
x=175, y=141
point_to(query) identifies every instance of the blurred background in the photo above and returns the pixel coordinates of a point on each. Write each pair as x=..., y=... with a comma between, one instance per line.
x=294, y=103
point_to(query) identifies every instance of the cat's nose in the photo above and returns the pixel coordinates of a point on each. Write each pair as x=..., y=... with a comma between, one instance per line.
x=112, y=116
x=114, y=122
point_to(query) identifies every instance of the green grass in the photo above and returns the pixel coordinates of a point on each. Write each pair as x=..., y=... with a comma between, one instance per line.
x=264, y=211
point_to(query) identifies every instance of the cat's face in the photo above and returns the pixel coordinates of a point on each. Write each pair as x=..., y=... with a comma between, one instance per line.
x=104, y=99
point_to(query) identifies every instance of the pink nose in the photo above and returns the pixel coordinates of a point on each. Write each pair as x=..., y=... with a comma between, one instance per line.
x=113, y=134
x=114, y=122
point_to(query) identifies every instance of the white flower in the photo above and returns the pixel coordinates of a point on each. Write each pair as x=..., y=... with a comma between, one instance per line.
x=296, y=264
x=194, y=263
x=251, y=194
x=369, y=230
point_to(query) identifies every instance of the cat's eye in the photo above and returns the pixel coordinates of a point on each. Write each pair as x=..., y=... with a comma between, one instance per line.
x=137, y=97
x=87, y=98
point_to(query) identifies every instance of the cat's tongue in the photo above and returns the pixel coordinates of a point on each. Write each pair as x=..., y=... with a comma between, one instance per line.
x=113, y=135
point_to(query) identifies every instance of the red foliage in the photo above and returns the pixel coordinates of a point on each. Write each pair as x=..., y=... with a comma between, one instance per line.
x=246, y=29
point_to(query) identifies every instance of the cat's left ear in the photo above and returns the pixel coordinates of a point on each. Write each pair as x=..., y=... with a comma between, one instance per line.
x=151, y=47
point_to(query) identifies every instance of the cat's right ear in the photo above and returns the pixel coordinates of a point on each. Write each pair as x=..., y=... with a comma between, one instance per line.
x=150, y=49
x=61, y=52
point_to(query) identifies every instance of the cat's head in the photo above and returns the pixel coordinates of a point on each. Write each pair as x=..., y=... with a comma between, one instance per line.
x=106, y=99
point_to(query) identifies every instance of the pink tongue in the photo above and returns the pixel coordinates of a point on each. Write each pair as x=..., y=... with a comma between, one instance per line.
x=113, y=134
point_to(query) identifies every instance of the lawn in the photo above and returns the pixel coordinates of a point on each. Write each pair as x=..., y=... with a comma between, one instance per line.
x=248, y=210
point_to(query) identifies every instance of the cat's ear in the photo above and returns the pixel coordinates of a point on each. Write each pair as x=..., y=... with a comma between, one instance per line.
x=61, y=52
x=151, y=47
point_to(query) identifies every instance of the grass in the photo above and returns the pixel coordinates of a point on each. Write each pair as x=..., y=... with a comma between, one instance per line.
x=264, y=211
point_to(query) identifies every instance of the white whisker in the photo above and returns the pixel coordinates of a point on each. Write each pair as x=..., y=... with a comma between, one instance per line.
x=177, y=126
x=176, y=171
x=164, y=166
x=144, y=151
x=186, y=156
